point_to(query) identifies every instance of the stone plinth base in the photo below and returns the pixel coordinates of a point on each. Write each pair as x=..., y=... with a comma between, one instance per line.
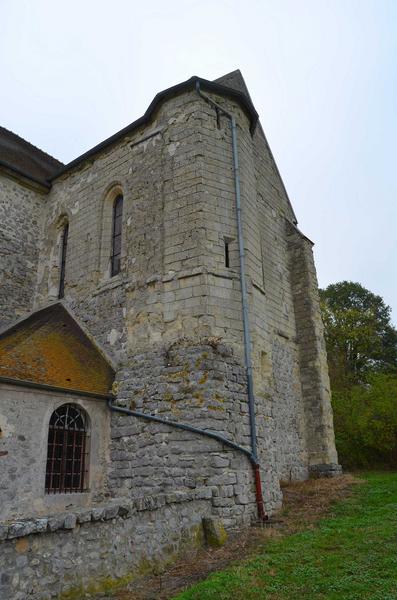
x=325, y=470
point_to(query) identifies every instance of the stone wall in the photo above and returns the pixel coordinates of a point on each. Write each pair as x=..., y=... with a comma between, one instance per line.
x=203, y=386
x=98, y=549
x=20, y=216
x=320, y=437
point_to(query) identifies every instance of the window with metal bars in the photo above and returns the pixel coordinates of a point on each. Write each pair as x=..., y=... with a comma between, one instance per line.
x=67, y=451
x=65, y=234
x=117, y=234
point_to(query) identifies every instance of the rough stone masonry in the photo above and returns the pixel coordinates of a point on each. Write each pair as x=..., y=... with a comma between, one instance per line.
x=169, y=327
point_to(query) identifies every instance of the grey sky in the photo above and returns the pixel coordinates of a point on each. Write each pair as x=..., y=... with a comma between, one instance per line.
x=322, y=75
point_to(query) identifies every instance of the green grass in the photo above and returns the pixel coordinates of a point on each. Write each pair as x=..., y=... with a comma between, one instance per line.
x=351, y=555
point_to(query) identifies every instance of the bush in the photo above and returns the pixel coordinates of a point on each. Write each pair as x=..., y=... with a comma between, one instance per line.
x=365, y=418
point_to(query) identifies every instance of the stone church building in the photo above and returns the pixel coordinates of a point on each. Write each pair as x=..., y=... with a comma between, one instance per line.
x=162, y=360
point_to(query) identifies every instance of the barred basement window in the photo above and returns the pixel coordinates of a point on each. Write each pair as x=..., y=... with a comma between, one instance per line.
x=116, y=236
x=67, y=451
x=65, y=234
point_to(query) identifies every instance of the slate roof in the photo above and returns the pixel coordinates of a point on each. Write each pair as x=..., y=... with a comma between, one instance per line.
x=24, y=159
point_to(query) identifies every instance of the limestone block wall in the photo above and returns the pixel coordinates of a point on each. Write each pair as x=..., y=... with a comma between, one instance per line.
x=24, y=418
x=160, y=234
x=278, y=393
x=20, y=220
x=313, y=358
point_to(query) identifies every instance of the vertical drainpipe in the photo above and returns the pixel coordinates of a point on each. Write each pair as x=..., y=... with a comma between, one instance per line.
x=244, y=302
x=244, y=298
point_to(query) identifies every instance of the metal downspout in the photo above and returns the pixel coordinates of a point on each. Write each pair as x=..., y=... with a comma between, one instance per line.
x=244, y=302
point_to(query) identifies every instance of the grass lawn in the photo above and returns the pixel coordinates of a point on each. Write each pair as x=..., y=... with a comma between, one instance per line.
x=350, y=555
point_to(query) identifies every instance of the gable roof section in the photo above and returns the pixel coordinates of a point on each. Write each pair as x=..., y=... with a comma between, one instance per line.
x=24, y=159
x=234, y=80
x=50, y=348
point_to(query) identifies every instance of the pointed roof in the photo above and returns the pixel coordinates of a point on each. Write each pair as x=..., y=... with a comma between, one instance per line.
x=235, y=81
x=50, y=348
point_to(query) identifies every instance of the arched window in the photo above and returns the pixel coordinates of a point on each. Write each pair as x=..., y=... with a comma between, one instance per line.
x=67, y=451
x=64, y=246
x=117, y=234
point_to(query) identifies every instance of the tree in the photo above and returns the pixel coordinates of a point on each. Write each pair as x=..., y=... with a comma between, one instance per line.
x=359, y=335
x=365, y=419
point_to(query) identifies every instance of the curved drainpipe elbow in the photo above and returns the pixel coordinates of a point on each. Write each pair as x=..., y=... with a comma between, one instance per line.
x=209, y=434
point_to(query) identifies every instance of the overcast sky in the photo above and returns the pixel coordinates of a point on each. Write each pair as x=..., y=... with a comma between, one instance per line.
x=322, y=75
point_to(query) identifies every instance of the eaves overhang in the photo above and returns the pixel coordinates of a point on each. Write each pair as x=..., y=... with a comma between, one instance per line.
x=24, y=178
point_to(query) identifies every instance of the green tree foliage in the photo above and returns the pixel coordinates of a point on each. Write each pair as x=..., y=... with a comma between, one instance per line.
x=359, y=335
x=362, y=356
x=365, y=421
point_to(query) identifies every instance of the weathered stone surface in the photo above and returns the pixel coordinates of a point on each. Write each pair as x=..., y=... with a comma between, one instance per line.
x=20, y=529
x=214, y=532
x=125, y=511
x=318, y=420
x=3, y=532
x=83, y=516
x=21, y=213
x=96, y=555
x=40, y=525
x=70, y=521
x=325, y=470
x=98, y=513
x=111, y=512
x=56, y=522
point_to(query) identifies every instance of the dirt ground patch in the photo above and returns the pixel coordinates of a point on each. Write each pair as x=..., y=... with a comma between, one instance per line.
x=304, y=504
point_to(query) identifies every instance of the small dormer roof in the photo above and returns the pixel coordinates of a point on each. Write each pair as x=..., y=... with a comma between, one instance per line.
x=49, y=347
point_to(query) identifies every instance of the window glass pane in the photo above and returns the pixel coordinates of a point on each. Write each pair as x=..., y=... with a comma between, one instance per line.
x=65, y=234
x=117, y=245
x=117, y=235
